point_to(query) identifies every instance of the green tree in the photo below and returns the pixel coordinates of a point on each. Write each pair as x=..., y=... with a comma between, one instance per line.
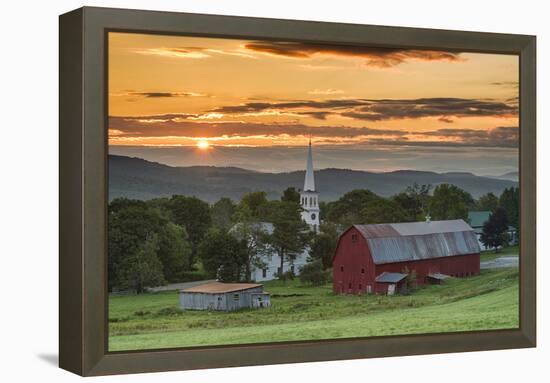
x=509, y=201
x=174, y=251
x=487, y=202
x=290, y=234
x=322, y=248
x=222, y=213
x=495, y=230
x=142, y=268
x=312, y=273
x=449, y=202
x=194, y=215
x=223, y=256
x=346, y=210
x=256, y=202
x=130, y=224
x=382, y=211
x=254, y=235
x=162, y=204
x=291, y=195
x=414, y=201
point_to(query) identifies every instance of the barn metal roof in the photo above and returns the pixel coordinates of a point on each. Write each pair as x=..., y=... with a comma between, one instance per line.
x=412, y=241
x=219, y=287
x=387, y=277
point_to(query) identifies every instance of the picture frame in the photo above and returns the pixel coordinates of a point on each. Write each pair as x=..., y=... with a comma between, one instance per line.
x=83, y=185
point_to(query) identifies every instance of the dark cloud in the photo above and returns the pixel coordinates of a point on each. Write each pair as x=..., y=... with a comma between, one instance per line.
x=169, y=125
x=377, y=110
x=385, y=109
x=374, y=56
x=164, y=94
x=508, y=84
x=446, y=120
x=163, y=125
x=503, y=136
x=262, y=106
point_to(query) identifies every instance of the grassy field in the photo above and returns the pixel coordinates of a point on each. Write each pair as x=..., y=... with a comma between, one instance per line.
x=489, y=255
x=488, y=301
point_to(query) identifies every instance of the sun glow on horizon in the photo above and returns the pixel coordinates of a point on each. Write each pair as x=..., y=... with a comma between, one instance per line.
x=203, y=144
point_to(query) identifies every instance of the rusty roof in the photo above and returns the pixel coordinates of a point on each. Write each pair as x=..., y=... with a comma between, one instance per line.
x=412, y=241
x=220, y=287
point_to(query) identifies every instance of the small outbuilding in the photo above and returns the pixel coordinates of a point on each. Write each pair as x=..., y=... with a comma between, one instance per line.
x=390, y=283
x=224, y=296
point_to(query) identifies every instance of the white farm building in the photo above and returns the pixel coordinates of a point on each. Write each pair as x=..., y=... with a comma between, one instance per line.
x=224, y=296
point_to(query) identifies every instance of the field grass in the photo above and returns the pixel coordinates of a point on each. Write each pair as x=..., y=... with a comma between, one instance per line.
x=489, y=255
x=488, y=301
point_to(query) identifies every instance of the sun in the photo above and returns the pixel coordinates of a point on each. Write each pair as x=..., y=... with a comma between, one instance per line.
x=203, y=144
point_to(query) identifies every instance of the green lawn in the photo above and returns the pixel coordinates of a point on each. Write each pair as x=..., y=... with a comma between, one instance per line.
x=489, y=255
x=489, y=301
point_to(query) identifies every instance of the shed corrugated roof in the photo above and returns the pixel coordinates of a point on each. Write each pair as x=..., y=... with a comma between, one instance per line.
x=387, y=277
x=401, y=242
x=220, y=287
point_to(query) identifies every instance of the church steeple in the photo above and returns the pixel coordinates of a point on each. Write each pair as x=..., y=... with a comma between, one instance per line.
x=309, y=197
x=309, y=182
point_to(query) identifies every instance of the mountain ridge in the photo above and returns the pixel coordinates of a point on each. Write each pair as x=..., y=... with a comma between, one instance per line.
x=134, y=177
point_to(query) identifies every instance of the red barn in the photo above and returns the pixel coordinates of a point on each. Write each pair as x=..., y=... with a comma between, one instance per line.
x=377, y=258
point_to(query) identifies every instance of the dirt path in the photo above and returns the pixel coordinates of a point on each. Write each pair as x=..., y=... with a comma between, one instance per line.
x=501, y=262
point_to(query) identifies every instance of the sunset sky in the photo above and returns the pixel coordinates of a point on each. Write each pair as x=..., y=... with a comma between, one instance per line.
x=255, y=104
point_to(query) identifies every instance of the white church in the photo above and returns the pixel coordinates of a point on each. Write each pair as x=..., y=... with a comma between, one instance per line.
x=309, y=201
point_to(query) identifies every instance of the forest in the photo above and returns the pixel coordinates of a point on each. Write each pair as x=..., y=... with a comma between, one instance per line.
x=183, y=238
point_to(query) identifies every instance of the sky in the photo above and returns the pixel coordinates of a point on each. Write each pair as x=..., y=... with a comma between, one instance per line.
x=189, y=101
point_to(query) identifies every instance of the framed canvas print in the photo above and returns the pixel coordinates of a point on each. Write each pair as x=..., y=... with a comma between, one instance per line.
x=241, y=191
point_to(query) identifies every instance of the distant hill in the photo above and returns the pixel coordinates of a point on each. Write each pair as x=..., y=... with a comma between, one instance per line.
x=141, y=179
x=511, y=176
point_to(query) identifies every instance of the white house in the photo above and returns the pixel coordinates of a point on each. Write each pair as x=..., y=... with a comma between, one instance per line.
x=309, y=201
x=272, y=262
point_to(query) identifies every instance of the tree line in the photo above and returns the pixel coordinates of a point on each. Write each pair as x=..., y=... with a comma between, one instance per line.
x=183, y=238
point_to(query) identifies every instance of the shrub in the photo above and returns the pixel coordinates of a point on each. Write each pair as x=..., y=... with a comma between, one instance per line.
x=286, y=276
x=312, y=273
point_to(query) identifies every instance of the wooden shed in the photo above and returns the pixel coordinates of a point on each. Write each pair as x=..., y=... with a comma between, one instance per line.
x=224, y=296
x=433, y=250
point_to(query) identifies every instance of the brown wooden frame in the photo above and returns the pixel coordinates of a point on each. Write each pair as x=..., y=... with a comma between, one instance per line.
x=83, y=191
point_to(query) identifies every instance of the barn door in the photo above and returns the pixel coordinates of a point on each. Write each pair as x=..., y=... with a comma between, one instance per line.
x=391, y=289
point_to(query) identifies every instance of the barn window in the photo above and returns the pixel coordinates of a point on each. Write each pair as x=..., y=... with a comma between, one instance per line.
x=219, y=299
x=362, y=271
x=354, y=238
x=236, y=297
x=264, y=273
x=342, y=269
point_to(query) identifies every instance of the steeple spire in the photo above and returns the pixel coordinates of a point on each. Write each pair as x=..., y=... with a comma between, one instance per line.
x=309, y=182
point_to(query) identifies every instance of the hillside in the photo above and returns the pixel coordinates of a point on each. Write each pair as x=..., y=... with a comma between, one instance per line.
x=141, y=179
x=301, y=312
